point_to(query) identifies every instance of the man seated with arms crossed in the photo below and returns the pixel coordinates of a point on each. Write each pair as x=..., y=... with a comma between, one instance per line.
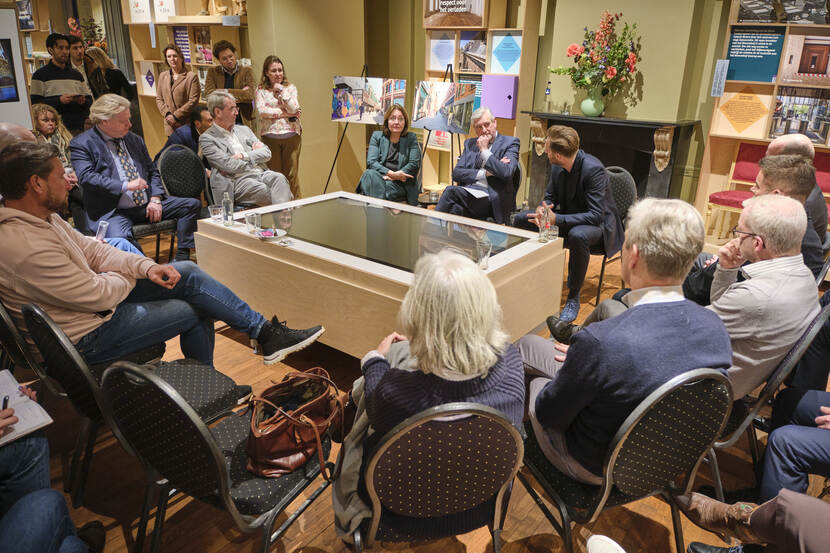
x=188, y=135
x=485, y=173
x=238, y=158
x=108, y=302
x=120, y=183
x=579, y=400
x=578, y=199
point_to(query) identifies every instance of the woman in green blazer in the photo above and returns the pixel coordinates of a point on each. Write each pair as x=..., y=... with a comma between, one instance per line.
x=393, y=160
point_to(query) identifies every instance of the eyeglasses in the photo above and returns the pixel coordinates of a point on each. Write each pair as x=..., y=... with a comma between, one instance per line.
x=736, y=232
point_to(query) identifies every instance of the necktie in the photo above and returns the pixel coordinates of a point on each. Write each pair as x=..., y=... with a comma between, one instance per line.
x=138, y=196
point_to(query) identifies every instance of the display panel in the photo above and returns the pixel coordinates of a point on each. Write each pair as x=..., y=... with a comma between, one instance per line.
x=382, y=234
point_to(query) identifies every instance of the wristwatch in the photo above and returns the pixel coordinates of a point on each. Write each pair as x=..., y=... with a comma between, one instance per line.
x=155, y=201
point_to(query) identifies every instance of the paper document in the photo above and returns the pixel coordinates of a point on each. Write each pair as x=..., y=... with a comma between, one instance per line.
x=32, y=416
x=476, y=192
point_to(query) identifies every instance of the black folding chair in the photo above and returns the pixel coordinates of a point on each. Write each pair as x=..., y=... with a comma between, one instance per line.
x=209, y=464
x=655, y=447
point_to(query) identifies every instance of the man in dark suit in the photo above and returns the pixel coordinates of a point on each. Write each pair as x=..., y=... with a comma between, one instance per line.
x=579, y=201
x=485, y=173
x=121, y=185
x=188, y=135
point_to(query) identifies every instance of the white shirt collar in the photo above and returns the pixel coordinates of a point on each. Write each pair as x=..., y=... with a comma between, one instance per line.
x=653, y=294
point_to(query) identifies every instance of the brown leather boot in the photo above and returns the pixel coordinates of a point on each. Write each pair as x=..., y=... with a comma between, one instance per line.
x=719, y=518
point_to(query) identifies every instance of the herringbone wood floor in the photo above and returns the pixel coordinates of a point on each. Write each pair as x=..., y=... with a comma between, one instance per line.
x=115, y=487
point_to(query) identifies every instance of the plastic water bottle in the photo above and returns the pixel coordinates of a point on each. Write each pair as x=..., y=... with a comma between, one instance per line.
x=227, y=210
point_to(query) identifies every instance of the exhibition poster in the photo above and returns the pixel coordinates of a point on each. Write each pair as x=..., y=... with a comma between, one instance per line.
x=441, y=50
x=180, y=40
x=472, y=52
x=455, y=14
x=506, y=52
x=754, y=53
x=365, y=99
x=806, y=60
x=8, y=80
x=443, y=106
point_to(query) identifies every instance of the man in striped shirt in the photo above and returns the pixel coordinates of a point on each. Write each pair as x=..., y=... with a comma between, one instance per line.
x=62, y=87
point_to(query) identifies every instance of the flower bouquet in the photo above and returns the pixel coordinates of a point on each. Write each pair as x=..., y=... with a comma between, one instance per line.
x=604, y=62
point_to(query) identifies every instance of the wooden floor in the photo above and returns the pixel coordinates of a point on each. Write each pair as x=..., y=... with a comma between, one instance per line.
x=115, y=487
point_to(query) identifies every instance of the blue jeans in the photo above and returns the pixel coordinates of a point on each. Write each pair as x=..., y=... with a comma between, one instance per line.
x=798, y=449
x=40, y=523
x=123, y=244
x=152, y=314
x=24, y=468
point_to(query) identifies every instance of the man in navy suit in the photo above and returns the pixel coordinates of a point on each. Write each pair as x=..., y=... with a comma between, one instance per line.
x=188, y=135
x=121, y=185
x=485, y=173
x=579, y=201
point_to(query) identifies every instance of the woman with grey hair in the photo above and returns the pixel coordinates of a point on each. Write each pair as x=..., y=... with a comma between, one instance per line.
x=453, y=349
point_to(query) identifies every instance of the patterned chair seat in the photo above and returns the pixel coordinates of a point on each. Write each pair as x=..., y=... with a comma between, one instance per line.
x=251, y=494
x=730, y=198
x=579, y=497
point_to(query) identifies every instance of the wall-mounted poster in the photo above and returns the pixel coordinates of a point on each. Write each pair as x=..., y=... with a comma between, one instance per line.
x=803, y=111
x=505, y=52
x=783, y=11
x=455, y=14
x=443, y=106
x=25, y=15
x=441, y=49
x=8, y=79
x=806, y=60
x=754, y=53
x=365, y=99
x=472, y=52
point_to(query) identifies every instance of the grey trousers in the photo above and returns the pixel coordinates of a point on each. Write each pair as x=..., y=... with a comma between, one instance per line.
x=538, y=357
x=266, y=188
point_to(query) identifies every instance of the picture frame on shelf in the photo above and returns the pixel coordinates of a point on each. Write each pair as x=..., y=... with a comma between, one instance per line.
x=441, y=45
x=806, y=60
x=456, y=14
x=26, y=17
x=754, y=53
x=472, y=52
x=202, y=48
x=8, y=77
x=801, y=110
x=504, y=51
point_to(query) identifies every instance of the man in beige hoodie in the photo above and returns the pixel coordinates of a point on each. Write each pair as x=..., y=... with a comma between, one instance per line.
x=110, y=303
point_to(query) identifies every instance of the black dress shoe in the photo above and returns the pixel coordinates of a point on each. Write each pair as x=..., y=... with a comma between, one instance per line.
x=697, y=547
x=560, y=330
x=764, y=424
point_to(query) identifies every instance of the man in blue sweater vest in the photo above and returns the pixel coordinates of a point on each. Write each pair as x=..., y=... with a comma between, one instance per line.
x=581, y=398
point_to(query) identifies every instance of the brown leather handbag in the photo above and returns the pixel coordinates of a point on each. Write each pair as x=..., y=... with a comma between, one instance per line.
x=288, y=421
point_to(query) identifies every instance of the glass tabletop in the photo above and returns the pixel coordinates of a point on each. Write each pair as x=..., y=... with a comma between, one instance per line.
x=381, y=234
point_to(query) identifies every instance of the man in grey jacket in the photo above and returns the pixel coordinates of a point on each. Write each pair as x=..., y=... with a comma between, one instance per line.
x=238, y=158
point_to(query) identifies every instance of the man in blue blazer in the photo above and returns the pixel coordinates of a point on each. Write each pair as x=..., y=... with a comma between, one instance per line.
x=579, y=201
x=188, y=135
x=485, y=173
x=120, y=183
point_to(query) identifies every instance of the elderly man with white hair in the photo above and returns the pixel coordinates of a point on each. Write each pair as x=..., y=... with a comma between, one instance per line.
x=238, y=158
x=120, y=183
x=578, y=401
x=484, y=173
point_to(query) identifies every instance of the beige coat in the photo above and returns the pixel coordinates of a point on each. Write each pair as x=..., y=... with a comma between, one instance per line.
x=178, y=98
x=76, y=279
x=244, y=98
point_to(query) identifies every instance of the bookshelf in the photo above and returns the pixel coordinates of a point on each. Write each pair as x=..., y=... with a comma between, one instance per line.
x=785, y=90
x=198, y=33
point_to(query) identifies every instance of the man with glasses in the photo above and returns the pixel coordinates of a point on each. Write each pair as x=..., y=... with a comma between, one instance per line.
x=238, y=158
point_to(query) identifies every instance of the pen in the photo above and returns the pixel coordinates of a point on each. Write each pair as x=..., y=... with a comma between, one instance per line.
x=5, y=403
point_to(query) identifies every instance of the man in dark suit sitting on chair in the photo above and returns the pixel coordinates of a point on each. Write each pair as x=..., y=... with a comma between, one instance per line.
x=579, y=201
x=188, y=135
x=485, y=173
x=121, y=184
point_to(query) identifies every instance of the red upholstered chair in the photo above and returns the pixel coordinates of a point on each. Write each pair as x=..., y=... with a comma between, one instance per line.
x=741, y=178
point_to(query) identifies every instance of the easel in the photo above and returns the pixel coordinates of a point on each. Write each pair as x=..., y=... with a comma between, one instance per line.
x=364, y=73
x=447, y=72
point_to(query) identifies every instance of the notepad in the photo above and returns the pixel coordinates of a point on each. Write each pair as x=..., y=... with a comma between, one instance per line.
x=30, y=414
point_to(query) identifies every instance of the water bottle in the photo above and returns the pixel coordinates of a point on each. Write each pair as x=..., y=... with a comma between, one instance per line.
x=227, y=210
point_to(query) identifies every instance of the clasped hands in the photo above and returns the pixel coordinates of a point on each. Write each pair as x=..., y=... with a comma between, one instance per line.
x=397, y=175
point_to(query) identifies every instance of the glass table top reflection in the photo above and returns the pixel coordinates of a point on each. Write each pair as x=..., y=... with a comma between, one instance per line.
x=386, y=235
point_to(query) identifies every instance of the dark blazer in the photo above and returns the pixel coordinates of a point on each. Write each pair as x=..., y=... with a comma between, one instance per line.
x=502, y=189
x=409, y=159
x=98, y=175
x=583, y=197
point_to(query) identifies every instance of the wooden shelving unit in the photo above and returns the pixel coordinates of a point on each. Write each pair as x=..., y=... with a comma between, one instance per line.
x=724, y=138
x=144, y=52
